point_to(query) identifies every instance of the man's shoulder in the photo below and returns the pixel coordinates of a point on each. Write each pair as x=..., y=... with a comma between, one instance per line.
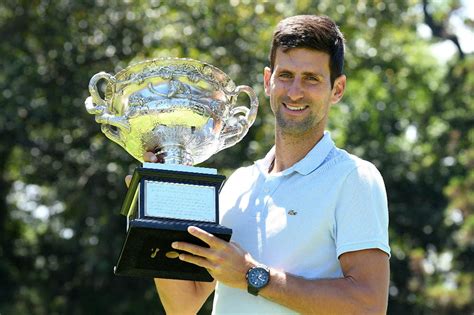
x=351, y=163
x=238, y=182
x=241, y=174
x=244, y=170
x=359, y=171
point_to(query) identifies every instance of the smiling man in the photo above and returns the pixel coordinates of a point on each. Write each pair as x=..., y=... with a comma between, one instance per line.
x=310, y=220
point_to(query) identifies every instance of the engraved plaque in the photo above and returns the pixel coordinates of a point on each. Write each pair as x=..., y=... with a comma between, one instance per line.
x=165, y=200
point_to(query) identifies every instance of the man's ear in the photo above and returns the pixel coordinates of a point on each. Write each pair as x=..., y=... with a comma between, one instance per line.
x=338, y=89
x=267, y=75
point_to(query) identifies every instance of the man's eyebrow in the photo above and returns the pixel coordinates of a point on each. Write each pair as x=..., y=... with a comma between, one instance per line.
x=306, y=73
x=283, y=70
x=310, y=73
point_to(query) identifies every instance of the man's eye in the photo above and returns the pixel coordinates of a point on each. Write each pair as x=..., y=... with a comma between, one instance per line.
x=313, y=79
x=284, y=75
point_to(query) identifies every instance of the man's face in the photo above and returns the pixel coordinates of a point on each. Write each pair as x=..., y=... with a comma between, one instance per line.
x=300, y=90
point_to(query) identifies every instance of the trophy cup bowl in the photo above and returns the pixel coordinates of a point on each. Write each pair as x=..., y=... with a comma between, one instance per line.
x=184, y=111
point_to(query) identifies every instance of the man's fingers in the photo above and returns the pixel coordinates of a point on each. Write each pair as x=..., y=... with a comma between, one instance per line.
x=154, y=158
x=147, y=157
x=196, y=260
x=150, y=157
x=208, y=238
x=193, y=249
x=128, y=179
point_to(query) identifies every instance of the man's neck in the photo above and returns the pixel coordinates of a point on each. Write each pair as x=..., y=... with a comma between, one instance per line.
x=291, y=149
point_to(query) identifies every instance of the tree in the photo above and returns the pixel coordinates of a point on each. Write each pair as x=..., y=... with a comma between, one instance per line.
x=62, y=181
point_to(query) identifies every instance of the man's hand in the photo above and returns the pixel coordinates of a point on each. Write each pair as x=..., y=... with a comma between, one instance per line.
x=227, y=262
x=147, y=157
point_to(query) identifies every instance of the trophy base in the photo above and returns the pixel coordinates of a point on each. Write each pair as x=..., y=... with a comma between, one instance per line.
x=147, y=250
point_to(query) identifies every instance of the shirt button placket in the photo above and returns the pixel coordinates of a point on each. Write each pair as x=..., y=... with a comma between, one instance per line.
x=270, y=185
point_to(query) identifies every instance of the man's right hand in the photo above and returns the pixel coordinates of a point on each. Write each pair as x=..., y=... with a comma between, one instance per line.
x=147, y=157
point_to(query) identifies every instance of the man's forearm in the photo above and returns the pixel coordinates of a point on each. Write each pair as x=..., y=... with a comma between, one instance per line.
x=173, y=292
x=363, y=290
x=324, y=296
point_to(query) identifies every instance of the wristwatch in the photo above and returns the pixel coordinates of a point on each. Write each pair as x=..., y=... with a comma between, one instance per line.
x=257, y=278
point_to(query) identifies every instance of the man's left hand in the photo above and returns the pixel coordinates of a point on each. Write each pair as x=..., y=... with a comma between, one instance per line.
x=227, y=262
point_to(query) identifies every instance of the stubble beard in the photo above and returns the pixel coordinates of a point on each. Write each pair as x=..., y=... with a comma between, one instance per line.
x=294, y=128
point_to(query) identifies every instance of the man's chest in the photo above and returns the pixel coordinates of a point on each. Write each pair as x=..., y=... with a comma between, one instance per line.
x=282, y=218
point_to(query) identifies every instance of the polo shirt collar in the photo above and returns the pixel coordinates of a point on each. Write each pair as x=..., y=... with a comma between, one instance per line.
x=309, y=163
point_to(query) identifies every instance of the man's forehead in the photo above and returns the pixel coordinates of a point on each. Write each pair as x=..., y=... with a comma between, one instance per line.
x=311, y=60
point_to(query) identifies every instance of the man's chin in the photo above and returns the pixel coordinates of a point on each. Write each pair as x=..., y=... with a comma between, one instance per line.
x=294, y=129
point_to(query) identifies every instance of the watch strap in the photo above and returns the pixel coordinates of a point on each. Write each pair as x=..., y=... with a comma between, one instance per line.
x=252, y=290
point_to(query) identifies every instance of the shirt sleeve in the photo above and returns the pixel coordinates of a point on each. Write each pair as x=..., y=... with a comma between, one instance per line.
x=361, y=217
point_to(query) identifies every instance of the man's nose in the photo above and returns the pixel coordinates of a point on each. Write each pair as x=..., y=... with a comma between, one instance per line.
x=295, y=90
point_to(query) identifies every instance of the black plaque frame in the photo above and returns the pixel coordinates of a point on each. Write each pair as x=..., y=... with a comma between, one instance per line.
x=145, y=234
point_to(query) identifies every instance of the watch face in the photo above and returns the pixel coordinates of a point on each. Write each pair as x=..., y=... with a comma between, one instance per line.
x=258, y=277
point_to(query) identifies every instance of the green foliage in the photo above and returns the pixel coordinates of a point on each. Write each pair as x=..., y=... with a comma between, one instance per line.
x=61, y=182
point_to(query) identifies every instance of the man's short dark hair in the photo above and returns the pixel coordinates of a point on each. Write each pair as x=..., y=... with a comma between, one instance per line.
x=314, y=32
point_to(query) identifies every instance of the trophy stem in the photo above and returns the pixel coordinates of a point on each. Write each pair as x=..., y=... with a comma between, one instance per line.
x=175, y=154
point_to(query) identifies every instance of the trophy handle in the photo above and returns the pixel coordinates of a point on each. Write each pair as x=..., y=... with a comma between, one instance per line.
x=240, y=120
x=95, y=104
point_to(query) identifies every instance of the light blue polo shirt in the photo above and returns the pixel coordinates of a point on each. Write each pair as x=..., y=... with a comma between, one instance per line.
x=302, y=219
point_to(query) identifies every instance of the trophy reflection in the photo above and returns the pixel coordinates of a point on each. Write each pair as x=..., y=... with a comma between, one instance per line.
x=185, y=111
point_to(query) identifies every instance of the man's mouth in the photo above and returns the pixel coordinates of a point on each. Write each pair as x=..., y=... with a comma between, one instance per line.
x=294, y=107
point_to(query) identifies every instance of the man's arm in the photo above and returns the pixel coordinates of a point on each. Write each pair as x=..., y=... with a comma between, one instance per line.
x=183, y=297
x=363, y=289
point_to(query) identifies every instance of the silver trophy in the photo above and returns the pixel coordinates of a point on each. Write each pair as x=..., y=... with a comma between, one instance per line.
x=184, y=111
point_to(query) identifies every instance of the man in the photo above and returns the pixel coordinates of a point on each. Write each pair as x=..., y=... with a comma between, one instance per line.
x=310, y=220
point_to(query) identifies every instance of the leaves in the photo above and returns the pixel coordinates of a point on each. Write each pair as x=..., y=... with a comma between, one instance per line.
x=61, y=182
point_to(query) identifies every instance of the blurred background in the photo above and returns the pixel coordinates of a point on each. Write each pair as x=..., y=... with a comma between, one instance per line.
x=408, y=109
